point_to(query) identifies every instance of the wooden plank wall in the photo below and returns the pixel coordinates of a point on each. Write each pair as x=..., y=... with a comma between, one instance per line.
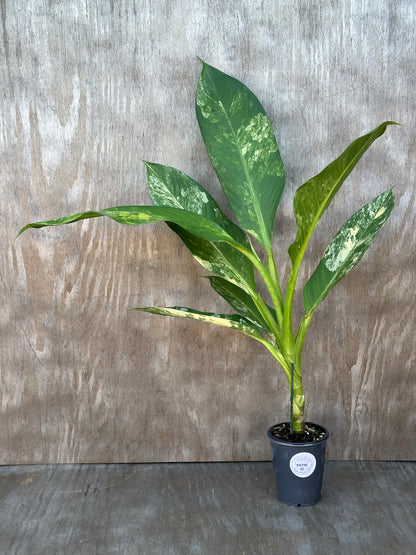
x=90, y=88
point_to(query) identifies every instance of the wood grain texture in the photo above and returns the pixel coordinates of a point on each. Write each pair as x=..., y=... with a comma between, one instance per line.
x=90, y=88
x=366, y=507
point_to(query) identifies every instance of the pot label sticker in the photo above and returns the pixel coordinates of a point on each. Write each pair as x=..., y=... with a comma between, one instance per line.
x=303, y=464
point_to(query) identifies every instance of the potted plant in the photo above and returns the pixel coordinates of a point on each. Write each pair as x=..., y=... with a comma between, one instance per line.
x=241, y=145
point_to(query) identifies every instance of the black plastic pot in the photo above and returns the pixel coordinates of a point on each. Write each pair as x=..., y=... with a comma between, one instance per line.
x=298, y=469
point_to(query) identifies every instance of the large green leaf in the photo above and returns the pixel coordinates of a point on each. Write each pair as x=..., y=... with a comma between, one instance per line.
x=234, y=321
x=136, y=215
x=240, y=142
x=312, y=199
x=239, y=301
x=170, y=187
x=347, y=248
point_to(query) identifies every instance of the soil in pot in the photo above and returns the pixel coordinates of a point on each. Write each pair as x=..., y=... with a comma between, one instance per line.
x=312, y=432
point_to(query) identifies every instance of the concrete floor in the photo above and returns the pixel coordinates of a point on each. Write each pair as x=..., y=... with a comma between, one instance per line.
x=213, y=508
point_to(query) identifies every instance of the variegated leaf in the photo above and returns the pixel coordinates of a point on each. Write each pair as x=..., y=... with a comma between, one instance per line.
x=234, y=321
x=240, y=301
x=347, y=248
x=136, y=215
x=240, y=142
x=170, y=187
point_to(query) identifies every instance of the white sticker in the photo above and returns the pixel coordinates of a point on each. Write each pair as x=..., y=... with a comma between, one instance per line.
x=302, y=464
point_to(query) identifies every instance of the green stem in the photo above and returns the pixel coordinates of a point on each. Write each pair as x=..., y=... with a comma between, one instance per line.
x=271, y=266
x=300, y=338
x=288, y=337
x=298, y=413
x=298, y=402
x=277, y=355
x=292, y=373
x=268, y=281
x=267, y=315
x=298, y=397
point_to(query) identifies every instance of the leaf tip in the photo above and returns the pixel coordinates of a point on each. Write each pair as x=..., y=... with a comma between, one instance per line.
x=23, y=230
x=149, y=165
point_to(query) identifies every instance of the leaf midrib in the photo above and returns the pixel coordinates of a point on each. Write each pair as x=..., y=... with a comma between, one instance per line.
x=258, y=211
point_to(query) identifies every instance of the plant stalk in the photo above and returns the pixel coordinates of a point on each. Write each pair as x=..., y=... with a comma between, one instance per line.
x=268, y=281
x=288, y=337
x=298, y=413
x=298, y=397
x=271, y=266
x=292, y=373
x=265, y=312
x=277, y=355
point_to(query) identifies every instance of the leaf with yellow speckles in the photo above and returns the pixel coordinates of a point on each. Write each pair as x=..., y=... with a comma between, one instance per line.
x=170, y=187
x=347, y=248
x=234, y=321
x=136, y=215
x=240, y=142
x=240, y=301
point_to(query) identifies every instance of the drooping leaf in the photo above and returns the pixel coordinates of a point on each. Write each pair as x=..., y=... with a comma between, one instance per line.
x=170, y=187
x=240, y=142
x=234, y=321
x=347, y=248
x=239, y=301
x=136, y=215
x=313, y=198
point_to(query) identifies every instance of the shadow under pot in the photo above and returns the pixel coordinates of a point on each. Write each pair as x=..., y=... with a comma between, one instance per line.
x=298, y=467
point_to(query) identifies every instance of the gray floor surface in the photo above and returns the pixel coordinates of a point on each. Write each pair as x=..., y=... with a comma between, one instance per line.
x=198, y=508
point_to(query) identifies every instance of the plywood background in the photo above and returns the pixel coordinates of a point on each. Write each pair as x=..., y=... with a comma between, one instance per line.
x=90, y=88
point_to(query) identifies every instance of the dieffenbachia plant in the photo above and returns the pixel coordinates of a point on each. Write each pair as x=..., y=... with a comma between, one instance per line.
x=241, y=145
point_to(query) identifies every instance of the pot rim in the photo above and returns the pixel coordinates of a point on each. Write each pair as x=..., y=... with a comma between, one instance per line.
x=294, y=444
